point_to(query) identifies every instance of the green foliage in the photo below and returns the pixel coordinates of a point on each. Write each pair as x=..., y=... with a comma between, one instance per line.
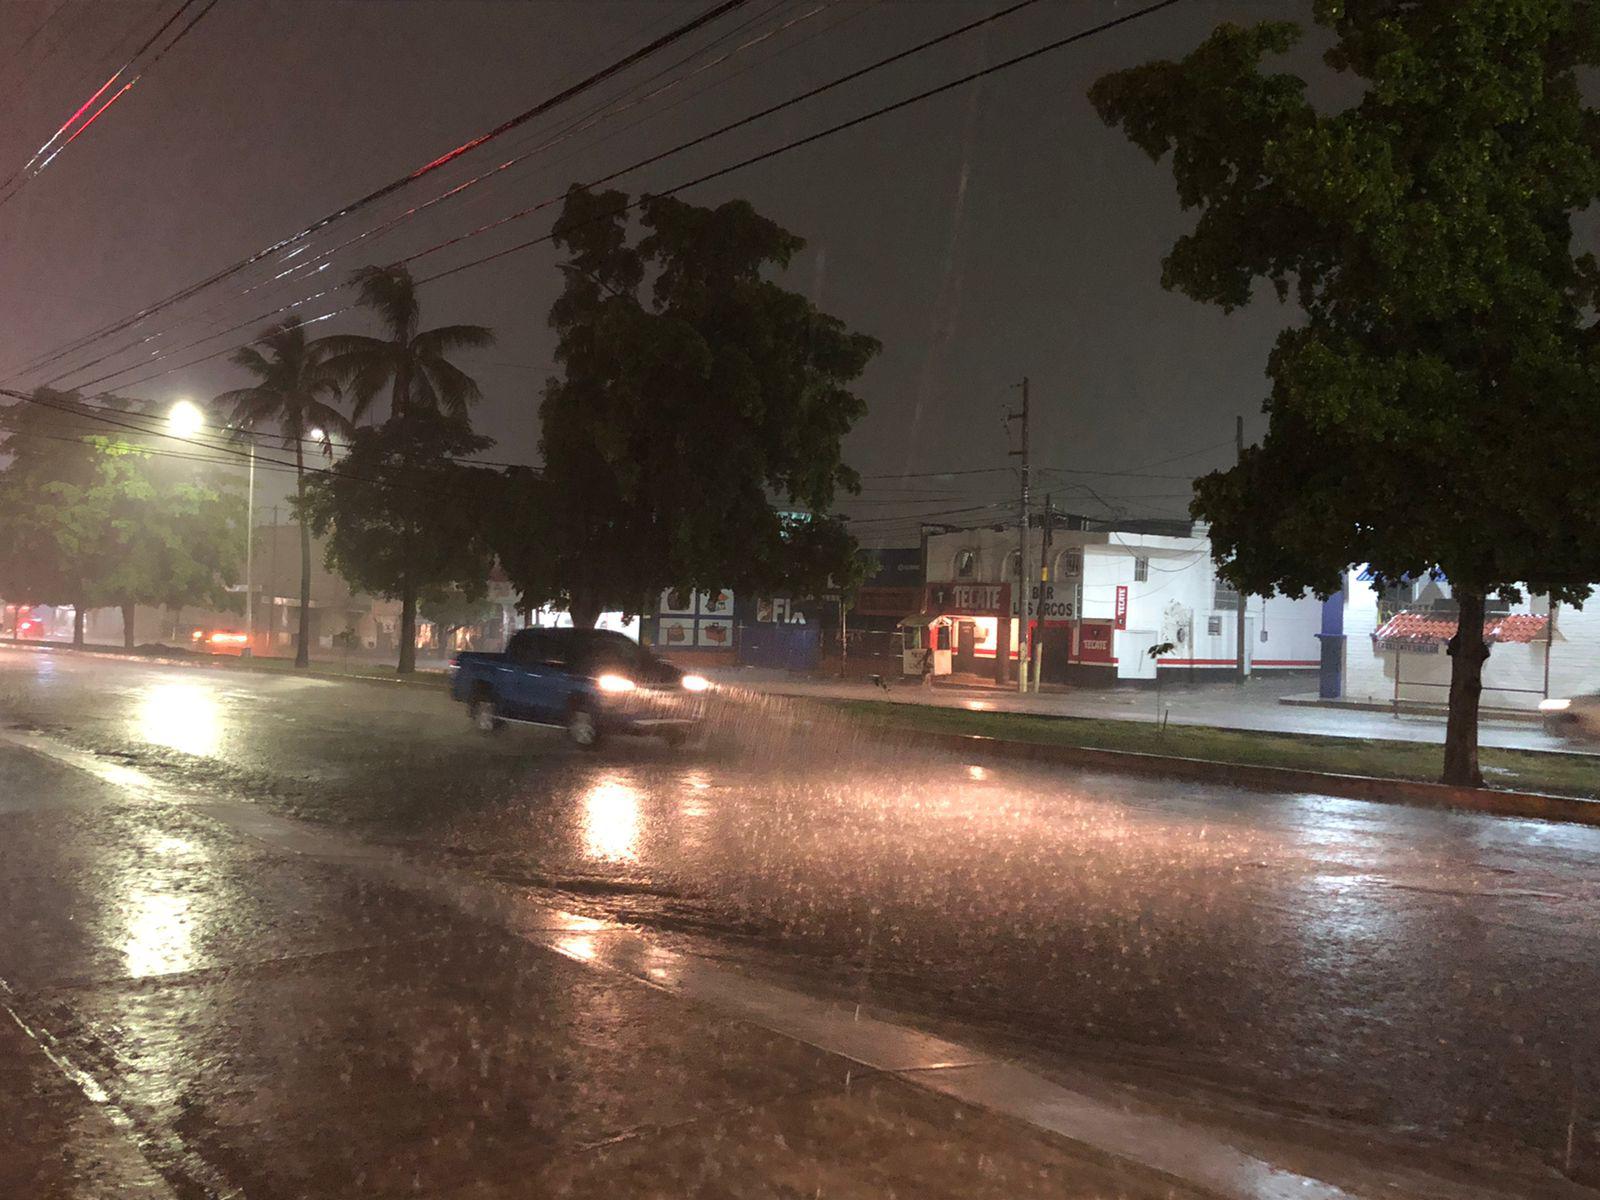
x=295, y=389
x=1439, y=406
x=681, y=411
x=399, y=515
x=454, y=607
x=92, y=519
x=412, y=363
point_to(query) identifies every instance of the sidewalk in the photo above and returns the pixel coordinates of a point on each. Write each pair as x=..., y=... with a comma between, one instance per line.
x=1263, y=704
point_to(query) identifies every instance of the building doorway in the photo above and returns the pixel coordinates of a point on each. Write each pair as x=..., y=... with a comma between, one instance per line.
x=966, y=647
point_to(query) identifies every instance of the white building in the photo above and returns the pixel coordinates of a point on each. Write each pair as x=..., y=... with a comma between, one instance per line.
x=1393, y=646
x=1111, y=592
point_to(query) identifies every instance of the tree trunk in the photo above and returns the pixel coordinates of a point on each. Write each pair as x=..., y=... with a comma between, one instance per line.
x=77, y=624
x=128, y=614
x=302, y=648
x=1468, y=653
x=408, y=628
x=584, y=605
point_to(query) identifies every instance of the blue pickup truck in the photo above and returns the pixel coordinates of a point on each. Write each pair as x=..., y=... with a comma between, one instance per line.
x=590, y=682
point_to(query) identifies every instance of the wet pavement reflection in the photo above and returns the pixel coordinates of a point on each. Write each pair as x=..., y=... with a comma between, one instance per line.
x=1422, y=979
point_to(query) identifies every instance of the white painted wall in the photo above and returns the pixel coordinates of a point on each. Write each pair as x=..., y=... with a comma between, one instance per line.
x=1574, y=657
x=1174, y=602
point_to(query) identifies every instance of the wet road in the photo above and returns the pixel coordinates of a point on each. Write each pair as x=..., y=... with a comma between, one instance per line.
x=1421, y=985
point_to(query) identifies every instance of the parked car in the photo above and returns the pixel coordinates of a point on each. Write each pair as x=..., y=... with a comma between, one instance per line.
x=220, y=641
x=590, y=682
x=1576, y=717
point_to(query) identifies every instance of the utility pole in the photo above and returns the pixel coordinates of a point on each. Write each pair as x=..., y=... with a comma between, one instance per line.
x=1238, y=448
x=249, y=550
x=1046, y=542
x=1024, y=572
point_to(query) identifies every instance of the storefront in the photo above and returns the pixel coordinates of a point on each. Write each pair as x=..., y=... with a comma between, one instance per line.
x=968, y=627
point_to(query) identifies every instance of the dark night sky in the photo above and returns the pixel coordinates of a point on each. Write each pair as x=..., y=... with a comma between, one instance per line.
x=995, y=231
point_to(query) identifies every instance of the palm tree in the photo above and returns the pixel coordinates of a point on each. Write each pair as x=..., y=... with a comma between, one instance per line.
x=294, y=386
x=412, y=363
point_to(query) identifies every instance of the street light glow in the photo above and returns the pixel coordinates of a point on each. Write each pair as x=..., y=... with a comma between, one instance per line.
x=185, y=420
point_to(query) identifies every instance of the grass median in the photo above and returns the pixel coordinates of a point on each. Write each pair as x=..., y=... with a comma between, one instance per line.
x=1518, y=770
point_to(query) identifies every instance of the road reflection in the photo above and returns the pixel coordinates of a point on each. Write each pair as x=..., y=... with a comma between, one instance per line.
x=182, y=715
x=157, y=910
x=611, y=820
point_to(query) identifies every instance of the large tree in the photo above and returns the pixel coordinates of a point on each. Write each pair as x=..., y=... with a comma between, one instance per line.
x=403, y=517
x=295, y=390
x=685, y=407
x=93, y=516
x=414, y=364
x=1436, y=409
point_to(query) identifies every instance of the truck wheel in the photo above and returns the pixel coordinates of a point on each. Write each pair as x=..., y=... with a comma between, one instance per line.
x=484, y=717
x=582, y=729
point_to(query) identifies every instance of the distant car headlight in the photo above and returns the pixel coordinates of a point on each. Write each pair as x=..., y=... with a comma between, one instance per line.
x=615, y=683
x=695, y=683
x=1554, y=705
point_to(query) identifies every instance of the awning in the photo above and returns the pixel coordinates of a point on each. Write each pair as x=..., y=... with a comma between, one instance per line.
x=1431, y=629
x=920, y=620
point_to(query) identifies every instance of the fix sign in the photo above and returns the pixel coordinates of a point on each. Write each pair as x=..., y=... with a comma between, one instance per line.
x=1122, y=607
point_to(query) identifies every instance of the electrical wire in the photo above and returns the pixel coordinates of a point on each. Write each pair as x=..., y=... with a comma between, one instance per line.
x=27, y=175
x=589, y=82
x=705, y=178
x=640, y=164
x=300, y=270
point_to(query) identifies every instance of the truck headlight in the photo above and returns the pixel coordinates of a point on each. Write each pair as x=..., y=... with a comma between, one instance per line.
x=614, y=683
x=695, y=683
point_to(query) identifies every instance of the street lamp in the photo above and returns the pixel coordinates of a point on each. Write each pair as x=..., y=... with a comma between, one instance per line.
x=185, y=419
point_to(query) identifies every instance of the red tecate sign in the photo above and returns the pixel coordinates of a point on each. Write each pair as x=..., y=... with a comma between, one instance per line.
x=1122, y=607
x=1094, y=642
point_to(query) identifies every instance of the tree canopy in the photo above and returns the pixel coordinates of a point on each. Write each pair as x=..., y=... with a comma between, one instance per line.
x=1437, y=409
x=401, y=517
x=94, y=518
x=695, y=390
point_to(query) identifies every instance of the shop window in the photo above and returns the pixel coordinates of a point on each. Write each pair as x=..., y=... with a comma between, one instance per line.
x=966, y=564
x=1013, y=567
x=1214, y=625
x=1141, y=568
x=1224, y=597
x=941, y=637
x=1069, y=564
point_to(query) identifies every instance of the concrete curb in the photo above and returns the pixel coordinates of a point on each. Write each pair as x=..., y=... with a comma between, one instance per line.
x=1537, y=806
x=423, y=678
x=1410, y=707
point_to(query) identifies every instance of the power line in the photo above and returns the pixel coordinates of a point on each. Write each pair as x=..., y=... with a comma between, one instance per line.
x=705, y=178
x=650, y=160
x=301, y=270
x=25, y=174
x=522, y=118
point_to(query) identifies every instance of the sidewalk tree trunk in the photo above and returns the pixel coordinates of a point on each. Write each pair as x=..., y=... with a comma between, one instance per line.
x=129, y=615
x=78, y=612
x=1434, y=407
x=408, y=627
x=1468, y=653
